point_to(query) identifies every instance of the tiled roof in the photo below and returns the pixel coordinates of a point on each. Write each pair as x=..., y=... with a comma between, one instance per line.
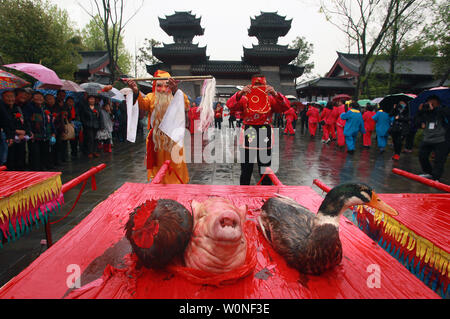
x=224, y=67
x=412, y=65
x=327, y=83
x=181, y=22
x=92, y=60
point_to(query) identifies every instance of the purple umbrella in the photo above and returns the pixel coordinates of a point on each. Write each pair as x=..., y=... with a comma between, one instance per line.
x=45, y=75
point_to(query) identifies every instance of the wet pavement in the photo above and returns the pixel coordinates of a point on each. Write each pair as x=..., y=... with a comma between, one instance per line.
x=300, y=159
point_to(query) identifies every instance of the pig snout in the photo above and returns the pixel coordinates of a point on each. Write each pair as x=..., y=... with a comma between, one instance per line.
x=227, y=227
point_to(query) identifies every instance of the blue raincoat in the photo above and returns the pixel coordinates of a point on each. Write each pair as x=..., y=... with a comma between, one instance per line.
x=383, y=121
x=353, y=125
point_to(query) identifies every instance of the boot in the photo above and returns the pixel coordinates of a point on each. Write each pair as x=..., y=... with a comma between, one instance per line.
x=105, y=148
x=110, y=148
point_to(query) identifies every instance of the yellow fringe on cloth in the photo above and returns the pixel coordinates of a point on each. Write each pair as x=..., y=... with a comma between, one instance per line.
x=425, y=250
x=28, y=198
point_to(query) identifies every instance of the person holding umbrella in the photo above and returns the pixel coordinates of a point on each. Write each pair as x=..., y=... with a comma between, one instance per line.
x=434, y=119
x=41, y=124
x=20, y=131
x=399, y=127
x=90, y=117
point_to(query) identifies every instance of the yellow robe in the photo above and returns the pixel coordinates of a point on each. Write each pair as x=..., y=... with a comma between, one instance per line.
x=147, y=103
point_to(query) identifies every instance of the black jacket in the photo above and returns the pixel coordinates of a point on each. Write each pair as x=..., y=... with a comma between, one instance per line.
x=402, y=124
x=5, y=124
x=15, y=122
x=90, y=118
x=437, y=124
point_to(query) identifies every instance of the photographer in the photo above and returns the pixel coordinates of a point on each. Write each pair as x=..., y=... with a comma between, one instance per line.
x=434, y=119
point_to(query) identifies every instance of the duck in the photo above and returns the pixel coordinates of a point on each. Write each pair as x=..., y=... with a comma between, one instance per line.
x=310, y=242
x=159, y=231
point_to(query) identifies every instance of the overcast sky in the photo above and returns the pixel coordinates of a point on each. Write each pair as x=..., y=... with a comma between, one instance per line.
x=226, y=25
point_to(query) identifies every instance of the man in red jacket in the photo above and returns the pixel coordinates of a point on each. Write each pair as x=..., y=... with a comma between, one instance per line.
x=313, y=119
x=257, y=102
x=327, y=118
x=291, y=116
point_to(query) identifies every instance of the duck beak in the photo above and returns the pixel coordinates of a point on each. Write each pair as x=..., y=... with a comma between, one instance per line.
x=377, y=203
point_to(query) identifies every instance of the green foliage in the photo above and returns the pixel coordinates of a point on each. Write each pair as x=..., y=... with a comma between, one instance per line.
x=35, y=31
x=93, y=39
x=145, y=55
x=306, y=50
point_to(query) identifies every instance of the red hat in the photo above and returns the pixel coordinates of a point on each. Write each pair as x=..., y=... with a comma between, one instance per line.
x=160, y=74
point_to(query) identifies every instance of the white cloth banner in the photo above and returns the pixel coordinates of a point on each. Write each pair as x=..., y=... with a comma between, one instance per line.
x=174, y=122
x=133, y=115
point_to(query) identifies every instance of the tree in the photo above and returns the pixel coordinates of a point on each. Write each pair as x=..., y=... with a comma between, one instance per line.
x=35, y=31
x=112, y=22
x=435, y=35
x=93, y=40
x=145, y=55
x=359, y=21
x=306, y=50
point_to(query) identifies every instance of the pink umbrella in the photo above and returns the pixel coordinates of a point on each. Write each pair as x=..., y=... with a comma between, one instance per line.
x=39, y=72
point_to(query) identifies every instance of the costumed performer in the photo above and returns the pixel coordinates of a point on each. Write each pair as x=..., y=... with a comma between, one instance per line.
x=257, y=102
x=166, y=107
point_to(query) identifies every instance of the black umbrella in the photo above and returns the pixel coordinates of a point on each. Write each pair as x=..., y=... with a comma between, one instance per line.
x=387, y=104
x=96, y=89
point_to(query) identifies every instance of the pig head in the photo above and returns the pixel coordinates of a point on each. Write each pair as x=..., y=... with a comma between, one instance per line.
x=218, y=243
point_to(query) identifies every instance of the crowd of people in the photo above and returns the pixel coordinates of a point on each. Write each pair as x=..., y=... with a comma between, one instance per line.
x=343, y=121
x=40, y=131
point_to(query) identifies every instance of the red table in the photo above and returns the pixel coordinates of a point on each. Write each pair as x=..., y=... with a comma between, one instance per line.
x=419, y=237
x=27, y=198
x=103, y=229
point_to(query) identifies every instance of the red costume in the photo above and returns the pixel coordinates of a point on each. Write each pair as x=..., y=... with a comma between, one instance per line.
x=194, y=118
x=313, y=119
x=328, y=117
x=291, y=116
x=369, y=125
x=340, y=124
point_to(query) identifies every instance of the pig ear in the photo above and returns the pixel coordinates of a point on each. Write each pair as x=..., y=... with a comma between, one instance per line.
x=243, y=211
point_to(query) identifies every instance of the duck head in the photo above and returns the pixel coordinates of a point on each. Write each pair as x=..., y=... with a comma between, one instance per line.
x=345, y=196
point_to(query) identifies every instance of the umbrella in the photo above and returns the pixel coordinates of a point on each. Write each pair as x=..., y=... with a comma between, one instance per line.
x=377, y=100
x=11, y=81
x=298, y=105
x=323, y=103
x=71, y=86
x=363, y=103
x=39, y=72
x=387, y=104
x=95, y=89
x=442, y=92
x=344, y=97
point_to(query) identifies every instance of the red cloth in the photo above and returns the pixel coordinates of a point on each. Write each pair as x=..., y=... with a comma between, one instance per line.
x=339, y=110
x=194, y=115
x=313, y=115
x=312, y=128
x=367, y=138
x=278, y=104
x=219, y=112
x=369, y=123
x=151, y=154
x=291, y=115
x=328, y=116
x=103, y=229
